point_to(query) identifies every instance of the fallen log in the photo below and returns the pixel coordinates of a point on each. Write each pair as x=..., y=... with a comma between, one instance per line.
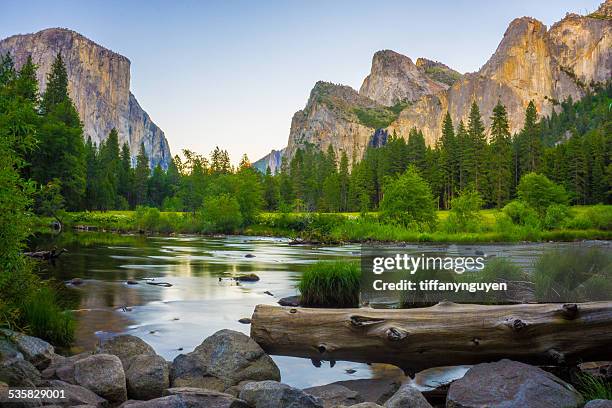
x=46, y=255
x=441, y=335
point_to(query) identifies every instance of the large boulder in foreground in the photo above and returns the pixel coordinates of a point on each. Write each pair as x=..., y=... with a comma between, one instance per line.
x=332, y=395
x=102, y=374
x=125, y=347
x=186, y=397
x=147, y=377
x=223, y=360
x=511, y=384
x=36, y=351
x=272, y=394
x=407, y=396
x=599, y=403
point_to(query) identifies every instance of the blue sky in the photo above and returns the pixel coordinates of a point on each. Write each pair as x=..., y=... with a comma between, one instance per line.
x=232, y=73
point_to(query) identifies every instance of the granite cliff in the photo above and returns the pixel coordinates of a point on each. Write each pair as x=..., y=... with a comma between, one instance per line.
x=530, y=63
x=99, y=84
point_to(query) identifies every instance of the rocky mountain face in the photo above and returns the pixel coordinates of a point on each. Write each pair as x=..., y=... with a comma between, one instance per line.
x=99, y=84
x=395, y=78
x=273, y=160
x=530, y=63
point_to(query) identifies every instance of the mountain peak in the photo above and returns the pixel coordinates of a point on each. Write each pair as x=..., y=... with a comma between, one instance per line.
x=395, y=78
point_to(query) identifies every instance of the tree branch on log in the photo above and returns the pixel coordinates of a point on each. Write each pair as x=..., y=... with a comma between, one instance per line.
x=441, y=335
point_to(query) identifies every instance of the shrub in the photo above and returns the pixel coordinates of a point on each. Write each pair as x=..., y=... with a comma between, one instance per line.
x=330, y=284
x=220, y=214
x=521, y=214
x=598, y=216
x=556, y=215
x=538, y=192
x=147, y=218
x=408, y=201
x=464, y=215
x=573, y=275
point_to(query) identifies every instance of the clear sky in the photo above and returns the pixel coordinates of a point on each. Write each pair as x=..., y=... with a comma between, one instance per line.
x=232, y=73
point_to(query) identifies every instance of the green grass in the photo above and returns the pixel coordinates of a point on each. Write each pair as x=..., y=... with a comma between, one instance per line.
x=593, y=388
x=45, y=319
x=330, y=284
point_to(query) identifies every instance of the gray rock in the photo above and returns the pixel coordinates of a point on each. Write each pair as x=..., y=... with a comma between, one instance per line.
x=235, y=389
x=373, y=390
x=62, y=368
x=222, y=360
x=272, y=394
x=599, y=403
x=365, y=405
x=335, y=394
x=189, y=398
x=511, y=384
x=409, y=397
x=125, y=347
x=74, y=395
x=290, y=301
x=36, y=351
x=147, y=377
x=102, y=374
x=8, y=350
x=19, y=373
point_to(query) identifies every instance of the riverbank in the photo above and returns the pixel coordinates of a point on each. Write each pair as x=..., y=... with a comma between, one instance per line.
x=582, y=223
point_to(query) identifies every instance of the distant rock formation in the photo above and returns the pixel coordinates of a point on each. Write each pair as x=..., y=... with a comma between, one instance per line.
x=530, y=63
x=99, y=84
x=273, y=160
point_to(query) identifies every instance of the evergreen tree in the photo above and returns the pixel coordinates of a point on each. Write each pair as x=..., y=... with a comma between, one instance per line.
x=449, y=160
x=500, y=170
x=271, y=191
x=529, y=143
x=344, y=179
x=61, y=150
x=416, y=149
x=125, y=179
x=474, y=154
x=141, y=177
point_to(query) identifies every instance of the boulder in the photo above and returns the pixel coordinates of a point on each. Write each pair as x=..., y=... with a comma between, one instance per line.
x=102, y=374
x=222, y=360
x=290, y=301
x=599, y=403
x=235, y=389
x=125, y=347
x=36, y=351
x=373, y=390
x=62, y=368
x=407, y=396
x=186, y=397
x=600, y=369
x=8, y=350
x=17, y=372
x=249, y=277
x=74, y=395
x=511, y=384
x=272, y=394
x=335, y=394
x=147, y=377
x=364, y=405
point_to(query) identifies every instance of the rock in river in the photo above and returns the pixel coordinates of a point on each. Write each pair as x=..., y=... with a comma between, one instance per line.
x=407, y=396
x=222, y=360
x=36, y=351
x=333, y=395
x=511, y=384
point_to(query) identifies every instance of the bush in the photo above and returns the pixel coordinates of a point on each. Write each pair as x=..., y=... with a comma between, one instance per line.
x=147, y=218
x=521, y=214
x=538, y=192
x=556, y=215
x=597, y=217
x=573, y=275
x=330, y=284
x=408, y=201
x=220, y=214
x=464, y=215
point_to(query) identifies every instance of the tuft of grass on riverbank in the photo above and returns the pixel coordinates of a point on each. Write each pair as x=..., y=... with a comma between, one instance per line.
x=330, y=284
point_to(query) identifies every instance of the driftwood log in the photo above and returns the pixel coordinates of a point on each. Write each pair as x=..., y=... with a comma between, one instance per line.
x=441, y=335
x=46, y=255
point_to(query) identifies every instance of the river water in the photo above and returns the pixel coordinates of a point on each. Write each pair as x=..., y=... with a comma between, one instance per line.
x=203, y=298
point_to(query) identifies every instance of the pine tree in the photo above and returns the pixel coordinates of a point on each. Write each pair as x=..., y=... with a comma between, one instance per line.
x=109, y=171
x=124, y=186
x=344, y=178
x=449, y=160
x=416, y=149
x=530, y=145
x=475, y=153
x=141, y=177
x=61, y=149
x=220, y=162
x=463, y=152
x=500, y=170
x=271, y=191
x=26, y=85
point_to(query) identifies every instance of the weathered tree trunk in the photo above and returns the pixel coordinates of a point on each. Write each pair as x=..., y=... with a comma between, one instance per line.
x=441, y=335
x=46, y=255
